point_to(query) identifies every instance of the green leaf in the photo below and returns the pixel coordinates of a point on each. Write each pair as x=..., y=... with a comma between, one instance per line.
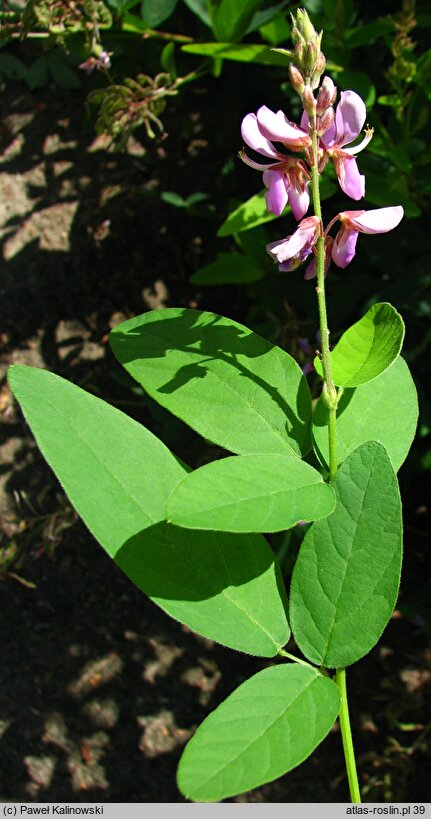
x=118, y=476
x=121, y=6
x=172, y=198
x=167, y=59
x=200, y=10
x=226, y=382
x=346, y=577
x=250, y=214
x=231, y=18
x=37, y=73
x=154, y=12
x=270, y=724
x=250, y=493
x=276, y=30
x=62, y=74
x=105, y=461
x=12, y=67
x=385, y=410
x=266, y=16
x=227, y=587
x=243, y=53
x=229, y=268
x=368, y=33
x=367, y=348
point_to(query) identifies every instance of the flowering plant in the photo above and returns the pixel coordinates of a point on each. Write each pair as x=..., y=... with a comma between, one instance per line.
x=191, y=540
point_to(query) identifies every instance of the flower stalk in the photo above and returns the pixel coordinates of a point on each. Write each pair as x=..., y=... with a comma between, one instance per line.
x=324, y=134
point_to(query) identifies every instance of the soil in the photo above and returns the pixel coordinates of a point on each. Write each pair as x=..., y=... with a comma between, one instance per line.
x=99, y=690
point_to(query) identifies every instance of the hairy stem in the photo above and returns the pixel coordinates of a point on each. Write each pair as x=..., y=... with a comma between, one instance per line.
x=329, y=391
x=331, y=396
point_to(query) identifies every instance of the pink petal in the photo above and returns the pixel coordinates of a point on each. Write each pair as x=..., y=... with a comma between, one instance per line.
x=380, y=220
x=349, y=117
x=351, y=181
x=305, y=121
x=344, y=247
x=258, y=166
x=252, y=136
x=286, y=249
x=276, y=195
x=278, y=128
x=299, y=202
x=328, y=138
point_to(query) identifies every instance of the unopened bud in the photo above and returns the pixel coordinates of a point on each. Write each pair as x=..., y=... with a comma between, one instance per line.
x=296, y=79
x=305, y=25
x=326, y=96
x=300, y=50
x=325, y=121
x=318, y=71
x=308, y=101
x=310, y=57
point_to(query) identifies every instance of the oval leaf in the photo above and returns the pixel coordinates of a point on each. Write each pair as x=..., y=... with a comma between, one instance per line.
x=384, y=410
x=346, y=577
x=118, y=476
x=270, y=724
x=250, y=493
x=367, y=348
x=224, y=586
x=229, y=384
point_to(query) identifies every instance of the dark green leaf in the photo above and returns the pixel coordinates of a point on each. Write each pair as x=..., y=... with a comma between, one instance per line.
x=346, y=577
x=154, y=12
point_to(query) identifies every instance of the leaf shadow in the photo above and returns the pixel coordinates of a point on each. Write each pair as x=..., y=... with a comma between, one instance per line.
x=170, y=563
x=207, y=341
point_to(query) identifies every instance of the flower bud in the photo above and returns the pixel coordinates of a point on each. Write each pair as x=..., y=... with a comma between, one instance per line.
x=310, y=58
x=305, y=25
x=325, y=121
x=300, y=49
x=326, y=96
x=318, y=71
x=308, y=101
x=296, y=79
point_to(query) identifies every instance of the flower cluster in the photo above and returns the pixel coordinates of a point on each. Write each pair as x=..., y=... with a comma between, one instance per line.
x=287, y=176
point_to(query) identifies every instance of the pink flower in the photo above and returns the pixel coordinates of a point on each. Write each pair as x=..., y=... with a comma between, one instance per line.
x=289, y=253
x=102, y=61
x=285, y=177
x=354, y=222
x=349, y=120
x=311, y=271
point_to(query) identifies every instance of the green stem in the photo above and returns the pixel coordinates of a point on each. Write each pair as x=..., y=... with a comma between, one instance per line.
x=346, y=733
x=331, y=397
x=329, y=391
x=294, y=659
